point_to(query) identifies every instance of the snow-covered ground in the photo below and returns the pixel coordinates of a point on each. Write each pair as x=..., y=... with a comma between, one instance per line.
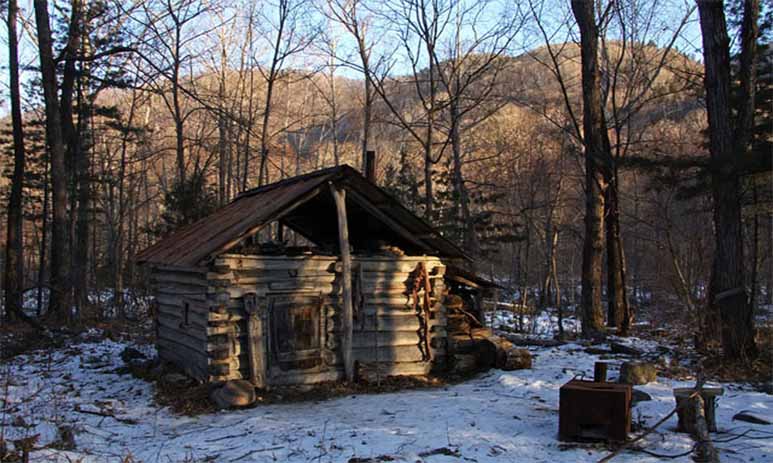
x=497, y=417
x=543, y=323
x=135, y=303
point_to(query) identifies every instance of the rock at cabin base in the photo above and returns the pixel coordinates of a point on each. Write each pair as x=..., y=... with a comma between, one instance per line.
x=236, y=393
x=175, y=378
x=637, y=373
x=516, y=359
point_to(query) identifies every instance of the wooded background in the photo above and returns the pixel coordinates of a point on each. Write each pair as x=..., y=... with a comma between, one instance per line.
x=564, y=145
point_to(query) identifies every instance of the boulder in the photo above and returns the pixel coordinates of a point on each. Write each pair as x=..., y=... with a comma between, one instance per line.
x=637, y=373
x=618, y=348
x=131, y=355
x=515, y=359
x=236, y=393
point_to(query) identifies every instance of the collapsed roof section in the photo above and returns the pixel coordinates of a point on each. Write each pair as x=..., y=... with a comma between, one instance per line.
x=305, y=204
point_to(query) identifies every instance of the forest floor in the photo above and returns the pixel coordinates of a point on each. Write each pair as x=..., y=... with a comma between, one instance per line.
x=82, y=405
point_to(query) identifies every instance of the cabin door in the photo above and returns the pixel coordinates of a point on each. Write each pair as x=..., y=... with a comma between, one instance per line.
x=296, y=333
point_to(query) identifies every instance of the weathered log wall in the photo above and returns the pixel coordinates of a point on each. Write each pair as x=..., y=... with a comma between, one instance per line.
x=214, y=344
x=389, y=333
x=183, y=338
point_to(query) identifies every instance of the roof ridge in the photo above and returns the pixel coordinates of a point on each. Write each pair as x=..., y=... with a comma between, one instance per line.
x=271, y=186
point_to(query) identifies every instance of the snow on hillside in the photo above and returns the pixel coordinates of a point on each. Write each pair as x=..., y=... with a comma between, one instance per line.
x=497, y=417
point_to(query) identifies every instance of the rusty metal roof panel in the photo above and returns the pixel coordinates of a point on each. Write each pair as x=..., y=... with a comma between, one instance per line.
x=220, y=231
x=191, y=244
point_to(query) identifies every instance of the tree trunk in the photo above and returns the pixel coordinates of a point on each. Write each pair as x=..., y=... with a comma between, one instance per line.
x=74, y=153
x=769, y=286
x=59, y=301
x=14, y=257
x=263, y=174
x=270, y=81
x=81, y=148
x=69, y=82
x=523, y=271
x=618, y=309
x=597, y=150
x=755, y=250
x=367, y=113
x=179, y=121
x=44, y=237
x=547, y=281
x=81, y=251
x=428, y=141
x=554, y=268
x=428, y=183
x=556, y=286
x=727, y=292
x=469, y=238
x=367, y=110
x=223, y=160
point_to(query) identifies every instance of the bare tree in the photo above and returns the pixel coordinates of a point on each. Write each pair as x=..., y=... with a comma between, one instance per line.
x=60, y=289
x=631, y=68
x=290, y=34
x=729, y=140
x=14, y=257
x=420, y=26
x=167, y=31
x=349, y=14
x=470, y=75
x=597, y=148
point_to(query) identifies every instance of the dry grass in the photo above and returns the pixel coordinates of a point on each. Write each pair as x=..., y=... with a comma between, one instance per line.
x=756, y=371
x=193, y=399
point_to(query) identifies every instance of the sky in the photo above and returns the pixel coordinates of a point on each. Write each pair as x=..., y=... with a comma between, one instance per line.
x=555, y=15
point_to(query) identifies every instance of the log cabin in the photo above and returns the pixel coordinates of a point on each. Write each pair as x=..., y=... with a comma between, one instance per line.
x=359, y=294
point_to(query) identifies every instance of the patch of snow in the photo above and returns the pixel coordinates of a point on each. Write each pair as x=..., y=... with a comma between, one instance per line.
x=542, y=323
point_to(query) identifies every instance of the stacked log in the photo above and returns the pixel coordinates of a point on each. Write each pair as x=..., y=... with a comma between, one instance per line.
x=481, y=349
x=458, y=321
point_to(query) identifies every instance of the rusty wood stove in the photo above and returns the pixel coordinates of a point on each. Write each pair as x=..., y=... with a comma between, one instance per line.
x=595, y=410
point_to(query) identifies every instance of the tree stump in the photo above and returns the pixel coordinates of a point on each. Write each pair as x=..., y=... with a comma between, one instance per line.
x=686, y=415
x=692, y=418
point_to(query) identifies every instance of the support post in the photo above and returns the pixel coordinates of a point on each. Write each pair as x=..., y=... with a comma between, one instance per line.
x=339, y=195
x=255, y=340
